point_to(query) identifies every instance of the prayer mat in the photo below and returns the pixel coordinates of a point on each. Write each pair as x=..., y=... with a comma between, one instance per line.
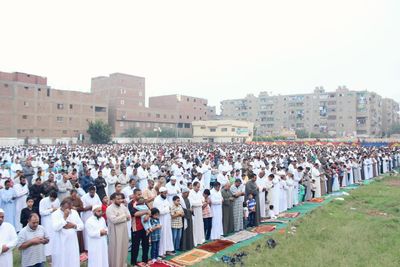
x=163, y=263
x=241, y=236
x=317, y=200
x=216, y=245
x=289, y=214
x=272, y=221
x=192, y=257
x=264, y=229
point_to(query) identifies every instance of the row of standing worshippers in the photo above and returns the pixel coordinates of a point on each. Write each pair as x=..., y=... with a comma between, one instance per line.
x=374, y=167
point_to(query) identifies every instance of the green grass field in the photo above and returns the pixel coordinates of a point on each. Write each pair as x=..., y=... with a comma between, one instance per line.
x=363, y=230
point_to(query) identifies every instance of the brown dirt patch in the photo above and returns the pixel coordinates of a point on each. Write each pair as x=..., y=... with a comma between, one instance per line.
x=377, y=213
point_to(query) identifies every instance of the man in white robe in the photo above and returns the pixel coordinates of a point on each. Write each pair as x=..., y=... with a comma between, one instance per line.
x=316, y=175
x=66, y=222
x=96, y=229
x=7, y=200
x=21, y=193
x=8, y=240
x=143, y=175
x=196, y=200
x=173, y=189
x=47, y=206
x=216, y=198
x=163, y=205
x=297, y=176
x=262, y=188
x=89, y=200
x=111, y=180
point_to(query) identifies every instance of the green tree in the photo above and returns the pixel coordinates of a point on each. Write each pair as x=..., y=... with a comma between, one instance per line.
x=301, y=134
x=395, y=129
x=131, y=132
x=100, y=132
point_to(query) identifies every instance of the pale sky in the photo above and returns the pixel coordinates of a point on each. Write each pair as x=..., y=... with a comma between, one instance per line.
x=212, y=49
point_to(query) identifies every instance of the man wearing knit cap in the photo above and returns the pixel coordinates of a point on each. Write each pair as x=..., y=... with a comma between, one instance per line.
x=96, y=229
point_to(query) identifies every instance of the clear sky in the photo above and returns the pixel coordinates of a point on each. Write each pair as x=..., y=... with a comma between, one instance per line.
x=213, y=49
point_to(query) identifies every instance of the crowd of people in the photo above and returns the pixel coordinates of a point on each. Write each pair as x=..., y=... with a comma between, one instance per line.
x=60, y=203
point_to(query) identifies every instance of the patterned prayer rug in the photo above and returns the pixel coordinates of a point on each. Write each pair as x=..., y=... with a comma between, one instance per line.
x=264, y=229
x=241, y=236
x=163, y=263
x=289, y=215
x=216, y=245
x=192, y=257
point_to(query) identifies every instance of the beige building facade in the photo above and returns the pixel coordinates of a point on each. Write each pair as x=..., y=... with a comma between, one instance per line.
x=340, y=113
x=223, y=131
x=30, y=108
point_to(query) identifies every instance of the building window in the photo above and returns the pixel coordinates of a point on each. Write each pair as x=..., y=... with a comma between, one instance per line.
x=188, y=99
x=26, y=104
x=149, y=115
x=60, y=119
x=19, y=131
x=172, y=116
x=213, y=130
x=187, y=116
x=158, y=116
x=194, y=117
x=70, y=106
x=6, y=85
x=165, y=116
x=24, y=117
x=187, y=125
x=137, y=124
x=122, y=102
x=233, y=129
x=26, y=87
x=48, y=91
x=121, y=123
x=123, y=91
x=60, y=106
x=180, y=116
x=203, y=127
x=64, y=131
x=100, y=109
x=224, y=129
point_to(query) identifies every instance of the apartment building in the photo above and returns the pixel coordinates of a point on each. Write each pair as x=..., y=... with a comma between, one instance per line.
x=390, y=111
x=126, y=96
x=342, y=112
x=29, y=107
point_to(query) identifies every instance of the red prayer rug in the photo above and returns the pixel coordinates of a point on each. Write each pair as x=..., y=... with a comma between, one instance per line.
x=317, y=200
x=216, y=245
x=289, y=214
x=264, y=229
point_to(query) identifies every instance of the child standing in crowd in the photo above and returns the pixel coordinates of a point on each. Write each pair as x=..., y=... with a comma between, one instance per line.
x=176, y=222
x=207, y=216
x=141, y=206
x=313, y=188
x=245, y=214
x=155, y=235
x=251, y=205
x=271, y=213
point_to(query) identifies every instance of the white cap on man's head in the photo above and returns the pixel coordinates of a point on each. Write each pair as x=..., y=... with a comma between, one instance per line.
x=162, y=189
x=95, y=207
